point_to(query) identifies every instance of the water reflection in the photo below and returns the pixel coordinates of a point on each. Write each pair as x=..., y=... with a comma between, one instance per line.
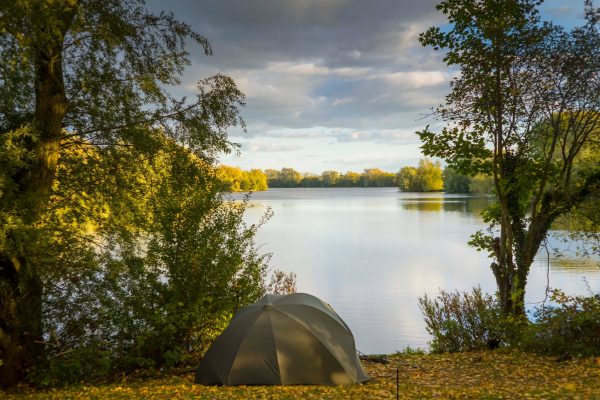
x=464, y=204
x=569, y=264
x=372, y=252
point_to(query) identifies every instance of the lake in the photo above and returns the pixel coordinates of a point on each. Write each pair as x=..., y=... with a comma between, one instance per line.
x=372, y=252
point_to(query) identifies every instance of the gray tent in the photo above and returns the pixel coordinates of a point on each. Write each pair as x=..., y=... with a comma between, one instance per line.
x=283, y=340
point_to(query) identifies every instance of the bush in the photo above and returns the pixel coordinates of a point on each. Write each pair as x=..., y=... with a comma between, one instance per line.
x=151, y=281
x=572, y=326
x=463, y=321
x=282, y=283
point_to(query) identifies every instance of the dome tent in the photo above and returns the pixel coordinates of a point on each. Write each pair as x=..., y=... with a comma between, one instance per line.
x=283, y=340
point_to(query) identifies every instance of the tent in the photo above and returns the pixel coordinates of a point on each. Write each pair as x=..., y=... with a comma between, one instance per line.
x=283, y=340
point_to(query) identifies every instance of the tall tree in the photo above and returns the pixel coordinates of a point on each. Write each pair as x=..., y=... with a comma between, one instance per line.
x=526, y=102
x=427, y=177
x=84, y=73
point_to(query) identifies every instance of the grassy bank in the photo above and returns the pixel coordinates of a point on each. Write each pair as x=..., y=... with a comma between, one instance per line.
x=492, y=375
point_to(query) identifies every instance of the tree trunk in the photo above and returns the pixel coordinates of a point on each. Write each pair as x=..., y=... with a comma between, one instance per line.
x=20, y=284
x=511, y=290
x=511, y=278
x=20, y=327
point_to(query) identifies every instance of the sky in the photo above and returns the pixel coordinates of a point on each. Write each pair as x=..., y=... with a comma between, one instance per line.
x=329, y=84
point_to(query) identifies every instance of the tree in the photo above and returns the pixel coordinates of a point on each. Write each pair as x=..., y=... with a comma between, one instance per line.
x=152, y=279
x=257, y=179
x=407, y=178
x=427, y=177
x=233, y=178
x=330, y=178
x=481, y=184
x=289, y=177
x=374, y=177
x=455, y=182
x=526, y=102
x=80, y=73
x=273, y=177
x=236, y=180
x=349, y=179
x=310, y=180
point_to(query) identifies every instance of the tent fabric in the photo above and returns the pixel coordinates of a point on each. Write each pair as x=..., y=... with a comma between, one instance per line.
x=283, y=340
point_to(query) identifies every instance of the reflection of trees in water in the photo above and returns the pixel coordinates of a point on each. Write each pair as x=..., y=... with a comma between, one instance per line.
x=586, y=265
x=466, y=205
x=569, y=255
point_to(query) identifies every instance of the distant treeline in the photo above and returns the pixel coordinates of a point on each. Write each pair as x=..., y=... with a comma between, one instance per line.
x=426, y=177
x=372, y=177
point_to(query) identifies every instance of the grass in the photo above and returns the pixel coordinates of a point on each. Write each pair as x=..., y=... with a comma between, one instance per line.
x=480, y=375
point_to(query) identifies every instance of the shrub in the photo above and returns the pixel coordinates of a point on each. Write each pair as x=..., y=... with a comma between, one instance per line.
x=463, y=321
x=152, y=283
x=572, y=326
x=282, y=283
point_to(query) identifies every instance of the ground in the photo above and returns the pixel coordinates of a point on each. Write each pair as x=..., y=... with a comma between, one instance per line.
x=479, y=375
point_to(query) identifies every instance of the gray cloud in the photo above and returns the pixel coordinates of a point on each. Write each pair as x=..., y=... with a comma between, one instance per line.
x=350, y=72
x=381, y=136
x=327, y=63
x=250, y=33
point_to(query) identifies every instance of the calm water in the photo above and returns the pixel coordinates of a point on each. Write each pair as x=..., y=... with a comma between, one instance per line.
x=371, y=252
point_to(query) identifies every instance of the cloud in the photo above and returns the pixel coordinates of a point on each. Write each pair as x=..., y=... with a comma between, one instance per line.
x=308, y=69
x=344, y=100
x=302, y=64
x=381, y=136
x=414, y=79
x=270, y=147
x=324, y=80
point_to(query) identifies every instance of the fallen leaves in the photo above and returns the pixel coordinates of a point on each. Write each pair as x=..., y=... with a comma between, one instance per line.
x=497, y=375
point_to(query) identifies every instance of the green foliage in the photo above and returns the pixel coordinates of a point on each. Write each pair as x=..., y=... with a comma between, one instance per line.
x=463, y=321
x=108, y=196
x=481, y=184
x=410, y=351
x=455, y=182
x=407, y=179
x=153, y=278
x=523, y=111
x=349, y=179
x=570, y=326
x=474, y=321
x=375, y=177
x=427, y=177
x=288, y=177
x=330, y=178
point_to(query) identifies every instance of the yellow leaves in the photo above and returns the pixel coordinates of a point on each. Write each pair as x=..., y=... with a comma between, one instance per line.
x=571, y=387
x=498, y=375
